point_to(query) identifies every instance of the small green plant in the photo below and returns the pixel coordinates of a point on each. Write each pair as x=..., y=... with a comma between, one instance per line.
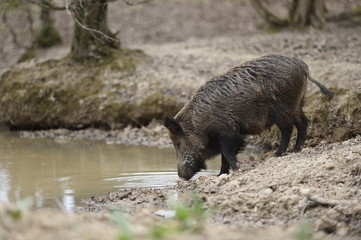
x=189, y=216
x=303, y=230
x=122, y=225
x=162, y=230
x=16, y=214
x=21, y=206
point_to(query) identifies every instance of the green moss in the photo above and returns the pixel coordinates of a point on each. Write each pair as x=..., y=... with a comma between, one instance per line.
x=119, y=114
x=48, y=37
x=67, y=94
x=37, y=97
x=317, y=108
x=155, y=106
x=38, y=104
x=356, y=9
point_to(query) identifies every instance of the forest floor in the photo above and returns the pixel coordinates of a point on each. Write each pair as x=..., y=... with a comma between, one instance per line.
x=314, y=194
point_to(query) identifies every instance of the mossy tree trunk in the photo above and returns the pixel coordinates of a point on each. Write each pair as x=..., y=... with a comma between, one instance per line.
x=92, y=38
x=302, y=13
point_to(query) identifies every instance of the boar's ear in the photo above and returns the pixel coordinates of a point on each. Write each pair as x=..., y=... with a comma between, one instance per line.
x=173, y=126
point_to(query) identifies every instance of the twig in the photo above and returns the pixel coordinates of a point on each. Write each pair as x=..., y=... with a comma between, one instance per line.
x=86, y=27
x=133, y=3
x=312, y=202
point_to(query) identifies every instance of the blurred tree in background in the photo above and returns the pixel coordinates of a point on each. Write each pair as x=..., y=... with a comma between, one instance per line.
x=92, y=38
x=44, y=36
x=301, y=13
x=47, y=35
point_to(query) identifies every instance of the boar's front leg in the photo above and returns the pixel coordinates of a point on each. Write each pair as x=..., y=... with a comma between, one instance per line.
x=230, y=146
x=225, y=166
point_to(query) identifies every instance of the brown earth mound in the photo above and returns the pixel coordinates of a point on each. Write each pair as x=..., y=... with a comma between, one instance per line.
x=320, y=185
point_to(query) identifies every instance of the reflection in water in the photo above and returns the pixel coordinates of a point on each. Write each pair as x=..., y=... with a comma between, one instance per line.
x=151, y=179
x=39, y=198
x=68, y=202
x=69, y=170
x=144, y=179
x=4, y=185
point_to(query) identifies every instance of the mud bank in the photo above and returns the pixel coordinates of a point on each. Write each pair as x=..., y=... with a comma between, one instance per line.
x=154, y=134
x=319, y=185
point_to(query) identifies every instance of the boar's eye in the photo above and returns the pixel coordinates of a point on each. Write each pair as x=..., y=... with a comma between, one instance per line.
x=177, y=144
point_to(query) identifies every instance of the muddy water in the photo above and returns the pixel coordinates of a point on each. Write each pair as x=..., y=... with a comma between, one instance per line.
x=54, y=172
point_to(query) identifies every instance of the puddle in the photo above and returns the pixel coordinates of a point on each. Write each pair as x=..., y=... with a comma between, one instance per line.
x=64, y=171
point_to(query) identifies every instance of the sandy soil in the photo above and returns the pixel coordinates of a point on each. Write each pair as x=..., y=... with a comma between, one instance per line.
x=269, y=198
x=320, y=184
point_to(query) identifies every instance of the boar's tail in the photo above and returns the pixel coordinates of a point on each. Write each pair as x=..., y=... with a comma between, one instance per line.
x=322, y=87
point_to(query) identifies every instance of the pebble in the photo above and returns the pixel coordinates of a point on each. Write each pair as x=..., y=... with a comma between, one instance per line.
x=165, y=213
x=305, y=191
x=266, y=192
x=330, y=166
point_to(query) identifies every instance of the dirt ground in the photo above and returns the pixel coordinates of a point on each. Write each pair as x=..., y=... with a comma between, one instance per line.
x=317, y=190
x=314, y=194
x=320, y=185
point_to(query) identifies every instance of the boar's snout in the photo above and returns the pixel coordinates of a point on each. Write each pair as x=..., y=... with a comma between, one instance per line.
x=185, y=172
x=188, y=166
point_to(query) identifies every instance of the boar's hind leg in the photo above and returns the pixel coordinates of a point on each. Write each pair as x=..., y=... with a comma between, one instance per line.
x=301, y=123
x=230, y=146
x=286, y=131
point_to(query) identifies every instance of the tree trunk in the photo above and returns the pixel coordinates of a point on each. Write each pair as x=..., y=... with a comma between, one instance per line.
x=268, y=16
x=308, y=13
x=92, y=38
x=48, y=35
x=302, y=13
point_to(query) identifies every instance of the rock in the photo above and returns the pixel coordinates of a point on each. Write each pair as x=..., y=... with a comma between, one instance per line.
x=265, y=192
x=165, y=213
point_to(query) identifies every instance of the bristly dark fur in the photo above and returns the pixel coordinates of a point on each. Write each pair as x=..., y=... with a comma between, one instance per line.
x=246, y=100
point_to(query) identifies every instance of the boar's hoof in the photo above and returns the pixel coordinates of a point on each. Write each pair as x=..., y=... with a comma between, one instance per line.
x=297, y=149
x=221, y=173
x=278, y=154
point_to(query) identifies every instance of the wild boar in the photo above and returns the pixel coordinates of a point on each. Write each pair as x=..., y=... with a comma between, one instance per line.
x=245, y=100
